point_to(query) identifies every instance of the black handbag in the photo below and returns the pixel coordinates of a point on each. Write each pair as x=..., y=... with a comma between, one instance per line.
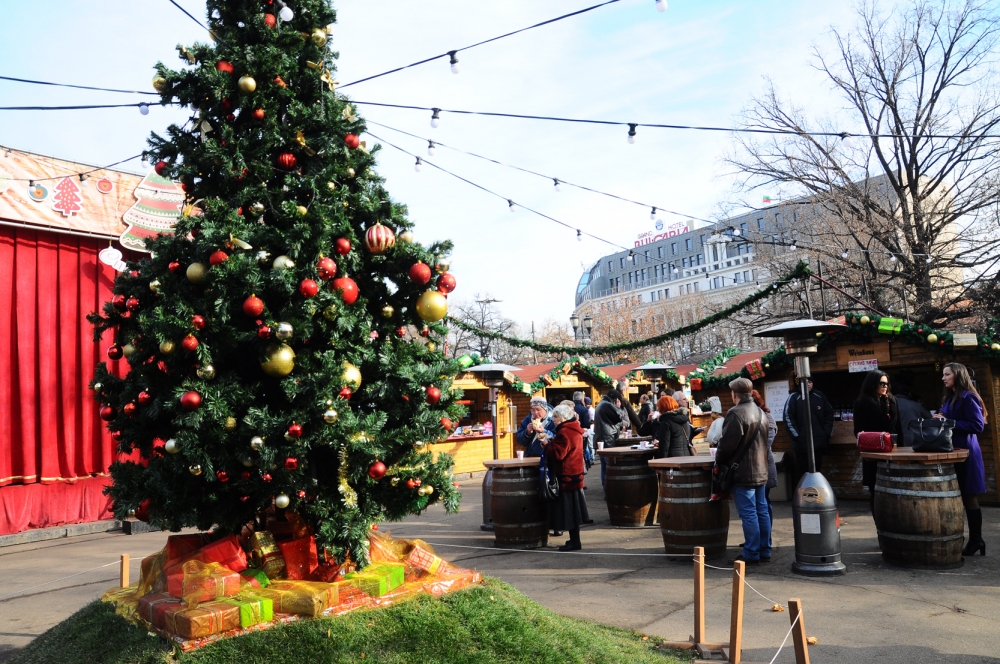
x=548, y=484
x=932, y=435
x=724, y=476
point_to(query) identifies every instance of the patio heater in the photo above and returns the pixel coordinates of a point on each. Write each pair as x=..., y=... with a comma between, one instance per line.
x=492, y=376
x=655, y=372
x=815, y=516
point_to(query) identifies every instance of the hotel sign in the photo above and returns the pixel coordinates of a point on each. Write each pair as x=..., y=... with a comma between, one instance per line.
x=672, y=230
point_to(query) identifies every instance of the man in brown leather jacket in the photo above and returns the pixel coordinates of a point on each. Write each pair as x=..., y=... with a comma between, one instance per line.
x=744, y=441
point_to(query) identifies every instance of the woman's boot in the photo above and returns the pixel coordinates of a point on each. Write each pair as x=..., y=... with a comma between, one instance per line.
x=976, y=542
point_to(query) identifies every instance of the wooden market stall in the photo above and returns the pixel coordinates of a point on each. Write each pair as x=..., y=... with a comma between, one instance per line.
x=906, y=355
x=472, y=443
x=639, y=382
x=557, y=382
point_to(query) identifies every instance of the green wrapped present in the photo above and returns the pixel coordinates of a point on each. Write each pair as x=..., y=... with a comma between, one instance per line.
x=371, y=583
x=253, y=609
x=256, y=578
x=395, y=571
x=890, y=325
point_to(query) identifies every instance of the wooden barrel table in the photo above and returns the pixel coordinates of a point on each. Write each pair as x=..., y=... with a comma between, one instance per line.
x=687, y=517
x=918, y=508
x=630, y=486
x=520, y=519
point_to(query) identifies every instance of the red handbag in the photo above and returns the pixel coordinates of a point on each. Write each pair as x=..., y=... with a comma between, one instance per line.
x=875, y=441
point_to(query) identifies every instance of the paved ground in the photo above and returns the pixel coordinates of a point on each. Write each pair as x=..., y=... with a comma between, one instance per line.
x=874, y=613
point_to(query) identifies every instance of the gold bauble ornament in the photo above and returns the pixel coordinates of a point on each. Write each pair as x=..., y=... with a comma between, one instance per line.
x=865, y=320
x=351, y=375
x=247, y=84
x=302, y=210
x=257, y=208
x=432, y=306
x=388, y=311
x=428, y=489
x=247, y=462
x=196, y=272
x=330, y=312
x=127, y=350
x=167, y=347
x=394, y=481
x=431, y=346
x=331, y=416
x=405, y=237
x=279, y=360
x=195, y=469
x=131, y=514
x=161, y=84
x=442, y=265
x=346, y=205
x=230, y=424
x=422, y=491
x=932, y=338
x=285, y=331
x=331, y=185
x=994, y=346
x=154, y=286
x=281, y=501
x=256, y=443
x=98, y=387
x=318, y=37
x=206, y=372
x=350, y=173
x=172, y=446
x=283, y=263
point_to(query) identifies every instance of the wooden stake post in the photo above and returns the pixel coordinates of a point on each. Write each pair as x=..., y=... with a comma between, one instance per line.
x=799, y=631
x=124, y=571
x=736, y=614
x=697, y=640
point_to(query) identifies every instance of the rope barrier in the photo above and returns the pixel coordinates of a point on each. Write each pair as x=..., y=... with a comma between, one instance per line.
x=579, y=553
x=785, y=640
x=63, y=578
x=745, y=582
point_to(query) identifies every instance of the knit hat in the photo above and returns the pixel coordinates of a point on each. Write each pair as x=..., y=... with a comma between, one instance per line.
x=716, y=404
x=539, y=401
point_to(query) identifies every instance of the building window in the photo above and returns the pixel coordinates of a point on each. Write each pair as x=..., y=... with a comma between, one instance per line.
x=696, y=287
x=715, y=282
x=666, y=292
x=673, y=247
x=746, y=275
x=684, y=262
x=687, y=244
x=618, y=283
x=715, y=252
x=611, y=266
x=743, y=226
x=701, y=258
x=659, y=251
x=760, y=224
x=777, y=218
x=702, y=240
x=621, y=262
x=644, y=274
x=646, y=254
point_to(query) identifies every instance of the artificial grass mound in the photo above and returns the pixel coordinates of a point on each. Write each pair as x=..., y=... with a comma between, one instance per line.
x=490, y=622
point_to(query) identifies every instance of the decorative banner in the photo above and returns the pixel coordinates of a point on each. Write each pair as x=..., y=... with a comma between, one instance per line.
x=158, y=207
x=105, y=186
x=38, y=193
x=67, y=197
x=111, y=256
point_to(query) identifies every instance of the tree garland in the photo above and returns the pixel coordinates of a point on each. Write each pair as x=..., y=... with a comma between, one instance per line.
x=801, y=271
x=578, y=364
x=709, y=366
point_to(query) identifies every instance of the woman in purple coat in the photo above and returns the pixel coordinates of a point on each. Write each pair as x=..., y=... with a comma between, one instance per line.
x=963, y=404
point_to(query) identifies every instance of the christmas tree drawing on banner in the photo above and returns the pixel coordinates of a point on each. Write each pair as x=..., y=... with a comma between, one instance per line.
x=156, y=211
x=285, y=343
x=67, y=197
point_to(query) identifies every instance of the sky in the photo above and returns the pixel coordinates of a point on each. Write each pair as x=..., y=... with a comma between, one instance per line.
x=697, y=63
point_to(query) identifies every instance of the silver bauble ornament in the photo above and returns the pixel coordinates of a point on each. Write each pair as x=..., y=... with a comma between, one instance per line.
x=330, y=416
x=263, y=256
x=281, y=501
x=284, y=331
x=283, y=263
x=257, y=208
x=256, y=443
x=154, y=286
x=195, y=470
x=172, y=446
x=206, y=372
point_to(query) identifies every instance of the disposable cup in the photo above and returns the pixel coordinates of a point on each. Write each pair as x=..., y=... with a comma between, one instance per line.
x=520, y=454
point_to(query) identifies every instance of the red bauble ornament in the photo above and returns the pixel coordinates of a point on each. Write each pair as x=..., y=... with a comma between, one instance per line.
x=287, y=161
x=941, y=343
x=279, y=82
x=379, y=239
x=116, y=436
x=115, y=352
x=244, y=499
x=230, y=117
x=174, y=266
x=160, y=167
x=264, y=332
x=352, y=141
x=374, y=526
x=295, y=430
x=345, y=393
x=401, y=331
x=376, y=471
x=425, y=331
x=190, y=400
x=224, y=66
x=920, y=330
x=226, y=104
x=132, y=303
x=347, y=288
x=342, y=246
x=420, y=273
x=218, y=256
x=189, y=343
x=118, y=302
x=417, y=481
x=308, y=288
x=198, y=322
x=266, y=477
x=129, y=409
x=144, y=397
x=446, y=283
x=291, y=463
x=327, y=268
x=142, y=511
x=245, y=475
x=222, y=476
x=433, y=395
x=446, y=423
x=108, y=413
x=270, y=20
x=410, y=484
x=301, y=494
x=258, y=114
x=253, y=306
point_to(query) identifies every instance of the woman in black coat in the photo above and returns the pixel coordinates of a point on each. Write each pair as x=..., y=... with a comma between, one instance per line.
x=671, y=435
x=875, y=410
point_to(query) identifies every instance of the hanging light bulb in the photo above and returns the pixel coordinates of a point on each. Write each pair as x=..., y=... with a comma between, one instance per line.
x=661, y=5
x=510, y=205
x=143, y=108
x=555, y=182
x=144, y=162
x=929, y=259
x=579, y=235
x=83, y=180
x=846, y=139
x=736, y=232
x=631, y=132
x=454, y=62
x=892, y=257
x=430, y=148
x=792, y=248
x=652, y=213
x=674, y=267
x=435, y=117
x=417, y=165
x=284, y=11
x=844, y=255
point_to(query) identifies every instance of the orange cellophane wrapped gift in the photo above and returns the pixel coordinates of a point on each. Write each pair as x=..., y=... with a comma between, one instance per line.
x=201, y=582
x=300, y=556
x=204, y=620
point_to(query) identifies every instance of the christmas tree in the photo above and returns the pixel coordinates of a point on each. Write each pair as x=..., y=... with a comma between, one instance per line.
x=67, y=198
x=283, y=343
x=157, y=207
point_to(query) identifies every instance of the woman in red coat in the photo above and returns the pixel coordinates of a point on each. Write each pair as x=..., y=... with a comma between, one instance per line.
x=564, y=456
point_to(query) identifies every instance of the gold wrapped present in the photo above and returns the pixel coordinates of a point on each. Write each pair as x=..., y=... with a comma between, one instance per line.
x=207, y=619
x=305, y=598
x=267, y=555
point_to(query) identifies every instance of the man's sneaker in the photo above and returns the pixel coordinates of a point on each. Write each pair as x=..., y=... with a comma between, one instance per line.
x=748, y=561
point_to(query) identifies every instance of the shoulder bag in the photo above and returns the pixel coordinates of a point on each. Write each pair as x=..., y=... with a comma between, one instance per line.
x=724, y=476
x=932, y=435
x=548, y=483
x=875, y=441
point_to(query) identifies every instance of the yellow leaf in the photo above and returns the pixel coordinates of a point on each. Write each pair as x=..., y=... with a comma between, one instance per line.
x=777, y=608
x=812, y=640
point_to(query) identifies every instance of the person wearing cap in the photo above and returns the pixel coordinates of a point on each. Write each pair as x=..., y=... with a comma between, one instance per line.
x=744, y=443
x=608, y=425
x=715, y=430
x=535, y=428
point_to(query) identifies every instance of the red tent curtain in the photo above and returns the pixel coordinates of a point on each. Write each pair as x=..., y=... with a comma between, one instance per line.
x=50, y=430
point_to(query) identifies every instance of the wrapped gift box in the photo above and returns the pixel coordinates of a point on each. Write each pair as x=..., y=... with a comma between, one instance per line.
x=424, y=560
x=254, y=609
x=152, y=607
x=267, y=555
x=197, y=582
x=301, y=559
x=377, y=580
x=181, y=547
x=255, y=578
x=396, y=572
x=204, y=620
x=307, y=598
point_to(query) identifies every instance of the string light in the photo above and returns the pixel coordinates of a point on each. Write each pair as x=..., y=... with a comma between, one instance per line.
x=430, y=148
x=892, y=257
x=929, y=259
x=143, y=109
x=579, y=235
x=652, y=214
x=846, y=139
x=661, y=5
x=555, y=182
x=792, y=247
x=144, y=162
x=454, y=63
x=631, y=132
x=417, y=165
x=83, y=180
x=284, y=11
x=510, y=205
x=844, y=255
x=435, y=117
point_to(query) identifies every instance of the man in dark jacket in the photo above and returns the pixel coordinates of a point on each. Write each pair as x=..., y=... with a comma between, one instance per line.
x=744, y=442
x=607, y=425
x=582, y=412
x=822, y=426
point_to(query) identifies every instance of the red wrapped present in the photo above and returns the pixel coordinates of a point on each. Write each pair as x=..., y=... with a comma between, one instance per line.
x=755, y=369
x=695, y=384
x=152, y=607
x=182, y=547
x=226, y=551
x=327, y=573
x=301, y=559
x=195, y=581
x=205, y=620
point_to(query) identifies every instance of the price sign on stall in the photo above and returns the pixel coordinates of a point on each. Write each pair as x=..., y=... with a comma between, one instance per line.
x=862, y=366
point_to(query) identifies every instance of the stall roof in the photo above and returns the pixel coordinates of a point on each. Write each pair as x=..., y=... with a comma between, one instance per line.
x=532, y=372
x=619, y=371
